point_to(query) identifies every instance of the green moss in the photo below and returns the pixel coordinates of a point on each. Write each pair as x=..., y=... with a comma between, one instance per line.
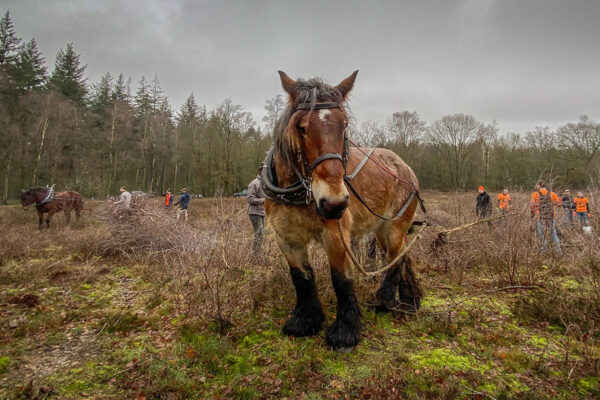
x=539, y=342
x=517, y=361
x=4, y=364
x=433, y=301
x=589, y=385
x=488, y=387
x=335, y=368
x=442, y=358
x=570, y=284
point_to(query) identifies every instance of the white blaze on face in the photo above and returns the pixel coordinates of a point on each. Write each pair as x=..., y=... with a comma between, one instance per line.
x=323, y=114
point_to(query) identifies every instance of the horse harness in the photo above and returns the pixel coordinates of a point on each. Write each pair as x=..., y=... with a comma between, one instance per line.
x=300, y=192
x=47, y=199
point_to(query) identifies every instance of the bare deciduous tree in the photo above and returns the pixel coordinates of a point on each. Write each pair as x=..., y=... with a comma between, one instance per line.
x=454, y=136
x=273, y=107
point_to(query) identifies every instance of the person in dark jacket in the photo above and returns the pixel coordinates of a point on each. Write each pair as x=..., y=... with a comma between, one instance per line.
x=183, y=203
x=568, y=206
x=256, y=211
x=483, y=209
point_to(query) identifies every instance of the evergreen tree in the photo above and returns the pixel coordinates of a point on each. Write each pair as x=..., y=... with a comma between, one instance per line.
x=68, y=76
x=30, y=70
x=156, y=92
x=9, y=42
x=189, y=111
x=120, y=91
x=101, y=93
x=143, y=101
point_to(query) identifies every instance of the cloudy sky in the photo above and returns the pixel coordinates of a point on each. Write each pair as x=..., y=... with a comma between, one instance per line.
x=523, y=63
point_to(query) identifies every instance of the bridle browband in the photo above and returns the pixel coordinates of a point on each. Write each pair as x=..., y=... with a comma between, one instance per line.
x=299, y=192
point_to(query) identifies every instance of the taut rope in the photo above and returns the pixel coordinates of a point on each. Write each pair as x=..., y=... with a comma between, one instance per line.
x=362, y=270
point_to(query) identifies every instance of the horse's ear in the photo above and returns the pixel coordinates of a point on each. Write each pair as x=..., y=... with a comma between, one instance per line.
x=346, y=85
x=289, y=85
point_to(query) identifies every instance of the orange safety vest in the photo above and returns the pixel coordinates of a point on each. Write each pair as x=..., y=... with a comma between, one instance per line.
x=504, y=201
x=168, y=199
x=535, y=202
x=580, y=204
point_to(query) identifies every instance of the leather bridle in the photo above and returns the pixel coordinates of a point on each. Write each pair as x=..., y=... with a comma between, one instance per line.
x=300, y=192
x=327, y=156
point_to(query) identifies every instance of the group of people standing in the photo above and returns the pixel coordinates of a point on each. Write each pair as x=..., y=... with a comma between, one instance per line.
x=542, y=208
x=183, y=202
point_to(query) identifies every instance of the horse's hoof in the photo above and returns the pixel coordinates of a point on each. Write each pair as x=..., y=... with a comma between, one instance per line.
x=301, y=325
x=341, y=337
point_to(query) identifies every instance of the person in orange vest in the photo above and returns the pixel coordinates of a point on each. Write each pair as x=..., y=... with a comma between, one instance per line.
x=582, y=209
x=168, y=198
x=504, y=201
x=543, y=202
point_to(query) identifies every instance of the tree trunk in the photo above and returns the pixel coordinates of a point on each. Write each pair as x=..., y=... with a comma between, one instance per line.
x=111, y=157
x=7, y=173
x=40, y=150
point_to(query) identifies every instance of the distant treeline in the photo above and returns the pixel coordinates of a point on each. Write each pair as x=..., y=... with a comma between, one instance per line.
x=56, y=128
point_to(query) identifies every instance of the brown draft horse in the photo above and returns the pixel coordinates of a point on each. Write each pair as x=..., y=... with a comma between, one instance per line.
x=47, y=202
x=310, y=151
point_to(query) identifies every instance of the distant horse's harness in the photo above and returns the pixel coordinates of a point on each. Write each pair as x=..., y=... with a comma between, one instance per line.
x=300, y=192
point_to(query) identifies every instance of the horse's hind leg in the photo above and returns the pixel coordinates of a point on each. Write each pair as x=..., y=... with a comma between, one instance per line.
x=308, y=315
x=344, y=333
x=408, y=287
x=400, y=277
x=48, y=218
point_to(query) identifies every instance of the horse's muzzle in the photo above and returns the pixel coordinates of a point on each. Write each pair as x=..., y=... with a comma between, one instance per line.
x=332, y=209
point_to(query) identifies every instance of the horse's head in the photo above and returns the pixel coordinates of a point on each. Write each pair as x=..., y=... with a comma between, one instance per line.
x=315, y=134
x=27, y=198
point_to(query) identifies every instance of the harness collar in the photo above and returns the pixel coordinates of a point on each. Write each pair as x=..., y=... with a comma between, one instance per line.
x=49, y=197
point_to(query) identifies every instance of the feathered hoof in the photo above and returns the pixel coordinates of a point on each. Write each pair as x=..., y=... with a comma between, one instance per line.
x=342, y=337
x=301, y=325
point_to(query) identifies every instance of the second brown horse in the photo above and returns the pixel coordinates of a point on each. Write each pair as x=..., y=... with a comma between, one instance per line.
x=46, y=201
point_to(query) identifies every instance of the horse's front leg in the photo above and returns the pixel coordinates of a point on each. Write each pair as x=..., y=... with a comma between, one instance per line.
x=308, y=315
x=344, y=333
x=40, y=219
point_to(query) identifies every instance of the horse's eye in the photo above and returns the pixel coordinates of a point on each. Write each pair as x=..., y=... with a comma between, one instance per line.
x=300, y=129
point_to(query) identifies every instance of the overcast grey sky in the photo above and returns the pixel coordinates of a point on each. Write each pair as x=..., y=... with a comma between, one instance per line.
x=522, y=63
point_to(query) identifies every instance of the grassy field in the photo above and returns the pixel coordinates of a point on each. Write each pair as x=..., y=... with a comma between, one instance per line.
x=139, y=307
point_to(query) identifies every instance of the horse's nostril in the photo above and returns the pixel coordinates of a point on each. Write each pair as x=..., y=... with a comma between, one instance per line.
x=321, y=203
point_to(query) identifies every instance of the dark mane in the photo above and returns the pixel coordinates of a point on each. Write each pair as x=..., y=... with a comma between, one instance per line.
x=42, y=190
x=310, y=91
